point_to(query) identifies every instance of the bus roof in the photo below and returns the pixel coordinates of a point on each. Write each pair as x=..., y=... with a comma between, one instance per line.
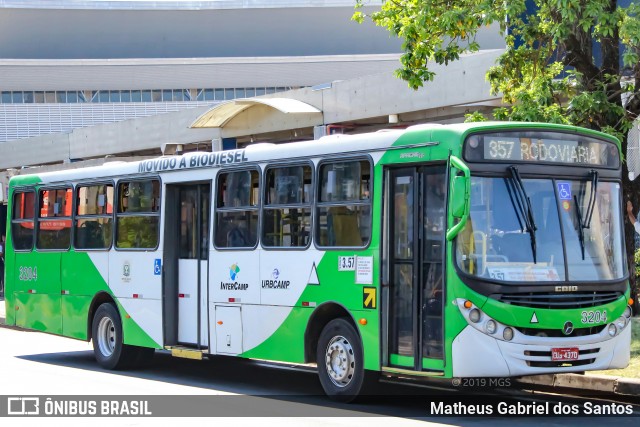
x=328, y=145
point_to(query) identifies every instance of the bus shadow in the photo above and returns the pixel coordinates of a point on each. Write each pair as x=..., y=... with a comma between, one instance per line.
x=257, y=379
x=266, y=391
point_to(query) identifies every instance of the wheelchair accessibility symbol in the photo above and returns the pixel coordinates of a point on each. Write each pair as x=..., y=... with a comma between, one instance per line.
x=157, y=267
x=564, y=190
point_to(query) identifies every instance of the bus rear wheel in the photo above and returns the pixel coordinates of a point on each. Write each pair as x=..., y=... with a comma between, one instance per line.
x=109, y=349
x=340, y=361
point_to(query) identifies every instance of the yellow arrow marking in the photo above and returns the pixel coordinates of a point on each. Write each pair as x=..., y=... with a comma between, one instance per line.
x=369, y=297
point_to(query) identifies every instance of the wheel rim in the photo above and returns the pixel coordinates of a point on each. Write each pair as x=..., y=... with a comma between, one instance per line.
x=340, y=361
x=106, y=336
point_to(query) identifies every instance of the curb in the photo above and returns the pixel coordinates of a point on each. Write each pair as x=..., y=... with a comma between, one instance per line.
x=598, y=383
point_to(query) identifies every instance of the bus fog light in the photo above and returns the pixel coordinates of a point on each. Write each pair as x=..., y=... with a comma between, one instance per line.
x=627, y=312
x=507, y=334
x=621, y=322
x=474, y=315
x=491, y=327
x=612, y=330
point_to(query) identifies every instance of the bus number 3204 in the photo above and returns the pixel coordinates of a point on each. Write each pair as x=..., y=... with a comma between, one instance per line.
x=28, y=274
x=594, y=316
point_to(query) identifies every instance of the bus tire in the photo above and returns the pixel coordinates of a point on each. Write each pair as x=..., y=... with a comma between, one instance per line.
x=340, y=361
x=109, y=349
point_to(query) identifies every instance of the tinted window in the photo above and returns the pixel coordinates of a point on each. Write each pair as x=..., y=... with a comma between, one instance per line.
x=237, y=209
x=54, y=218
x=137, y=219
x=22, y=220
x=344, y=204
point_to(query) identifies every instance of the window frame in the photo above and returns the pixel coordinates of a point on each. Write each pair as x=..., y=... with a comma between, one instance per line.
x=21, y=190
x=216, y=209
x=311, y=203
x=76, y=216
x=70, y=218
x=137, y=214
x=318, y=204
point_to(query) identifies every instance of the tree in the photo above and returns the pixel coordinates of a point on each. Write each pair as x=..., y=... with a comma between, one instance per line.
x=548, y=73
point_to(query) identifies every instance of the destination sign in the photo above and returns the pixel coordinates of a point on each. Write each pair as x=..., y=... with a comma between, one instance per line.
x=542, y=148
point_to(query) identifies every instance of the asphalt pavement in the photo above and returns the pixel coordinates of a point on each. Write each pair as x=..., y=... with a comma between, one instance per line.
x=605, y=384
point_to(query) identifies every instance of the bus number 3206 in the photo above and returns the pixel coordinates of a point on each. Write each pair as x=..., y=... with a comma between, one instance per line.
x=28, y=274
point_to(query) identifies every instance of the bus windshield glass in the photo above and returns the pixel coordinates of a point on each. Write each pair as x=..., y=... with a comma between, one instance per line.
x=577, y=232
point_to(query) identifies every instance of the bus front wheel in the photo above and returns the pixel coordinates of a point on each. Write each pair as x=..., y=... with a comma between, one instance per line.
x=108, y=347
x=340, y=361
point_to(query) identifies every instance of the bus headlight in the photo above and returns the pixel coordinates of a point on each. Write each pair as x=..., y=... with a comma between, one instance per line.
x=491, y=327
x=484, y=323
x=507, y=334
x=621, y=322
x=474, y=315
x=612, y=330
x=627, y=312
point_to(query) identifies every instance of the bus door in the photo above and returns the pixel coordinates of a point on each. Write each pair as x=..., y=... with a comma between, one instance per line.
x=415, y=224
x=188, y=208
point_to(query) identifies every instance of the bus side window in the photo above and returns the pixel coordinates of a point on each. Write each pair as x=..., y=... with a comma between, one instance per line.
x=94, y=211
x=22, y=220
x=236, y=223
x=344, y=204
x=287, y=207
x=138, y=214
x=54, y=219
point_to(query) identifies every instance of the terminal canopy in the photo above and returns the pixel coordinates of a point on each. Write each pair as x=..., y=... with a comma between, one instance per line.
x=221, y=114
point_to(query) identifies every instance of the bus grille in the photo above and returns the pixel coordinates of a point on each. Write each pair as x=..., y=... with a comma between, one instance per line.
x=557, y=333
x=558, y=301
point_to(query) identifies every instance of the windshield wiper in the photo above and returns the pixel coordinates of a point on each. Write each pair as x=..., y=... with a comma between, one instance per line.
x=586, y=223
x=524, y=205
x=592, y=198
x=581, y=226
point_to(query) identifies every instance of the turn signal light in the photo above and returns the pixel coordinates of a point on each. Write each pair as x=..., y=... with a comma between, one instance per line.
x=363, y=321
x=630, y=301
x=219, y=322
x=467, y=304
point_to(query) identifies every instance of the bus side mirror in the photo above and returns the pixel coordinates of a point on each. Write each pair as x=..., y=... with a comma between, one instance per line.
x=459, y=196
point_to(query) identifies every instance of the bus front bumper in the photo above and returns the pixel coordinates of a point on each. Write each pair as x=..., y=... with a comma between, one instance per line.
x=476, y=354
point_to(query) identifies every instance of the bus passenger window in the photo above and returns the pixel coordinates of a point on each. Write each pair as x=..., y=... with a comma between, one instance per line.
x=287, y=207
x=138, y=214
x=54, y=219
x=22, y=220
x=344, y=204
x=94, y=210
x=236, y=223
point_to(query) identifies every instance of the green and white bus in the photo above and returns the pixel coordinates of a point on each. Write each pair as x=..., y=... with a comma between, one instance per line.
x=466, y=250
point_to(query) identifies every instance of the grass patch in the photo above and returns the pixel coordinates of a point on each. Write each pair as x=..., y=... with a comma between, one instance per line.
x=633, y=370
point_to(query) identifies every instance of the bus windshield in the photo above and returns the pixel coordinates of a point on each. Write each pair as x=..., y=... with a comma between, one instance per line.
x=577, y=235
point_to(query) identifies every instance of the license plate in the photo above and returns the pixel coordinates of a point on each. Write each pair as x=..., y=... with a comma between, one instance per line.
x=563, y=354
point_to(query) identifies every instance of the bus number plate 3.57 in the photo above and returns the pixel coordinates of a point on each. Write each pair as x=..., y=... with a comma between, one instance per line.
x=564, y=354
x=347, y=263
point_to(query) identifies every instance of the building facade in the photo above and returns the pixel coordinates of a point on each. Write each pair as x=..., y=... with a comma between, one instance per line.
x=82, y=79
